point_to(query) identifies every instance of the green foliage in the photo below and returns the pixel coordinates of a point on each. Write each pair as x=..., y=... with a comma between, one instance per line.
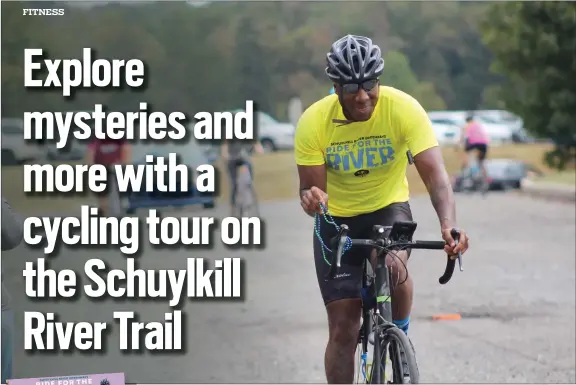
x=215, y=56
x=534, y=44
x=425, y=93
x=397, y=72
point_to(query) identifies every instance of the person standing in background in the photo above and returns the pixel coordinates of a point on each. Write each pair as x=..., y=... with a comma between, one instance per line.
x=12, y=234
x=109, y=152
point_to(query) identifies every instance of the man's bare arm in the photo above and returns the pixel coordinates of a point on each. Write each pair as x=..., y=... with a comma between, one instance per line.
x=312, y=176
x=430, y=166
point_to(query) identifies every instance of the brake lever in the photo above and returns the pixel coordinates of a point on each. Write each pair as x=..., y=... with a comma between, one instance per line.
x=341, y=243
x=456, y=235
x=337, y=245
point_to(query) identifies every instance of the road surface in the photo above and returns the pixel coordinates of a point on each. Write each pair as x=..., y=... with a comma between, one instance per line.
x=517, y=295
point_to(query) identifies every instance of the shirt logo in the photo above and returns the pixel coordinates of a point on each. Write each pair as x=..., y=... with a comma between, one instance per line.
x=361, y=173
x=361, y=154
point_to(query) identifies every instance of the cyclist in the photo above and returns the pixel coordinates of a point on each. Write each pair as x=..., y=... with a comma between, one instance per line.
x=475, y=139
x=109, y=152
x=354, y=148
x=236, y=153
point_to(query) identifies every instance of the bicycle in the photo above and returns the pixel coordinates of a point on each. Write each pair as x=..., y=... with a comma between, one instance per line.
x=246, y=201
x=472, y=177
x=377, y=328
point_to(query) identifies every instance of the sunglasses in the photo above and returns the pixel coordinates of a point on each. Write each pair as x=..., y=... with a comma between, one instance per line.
x=353, y=88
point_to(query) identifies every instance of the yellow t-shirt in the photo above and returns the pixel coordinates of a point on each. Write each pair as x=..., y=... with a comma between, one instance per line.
x=366, y=161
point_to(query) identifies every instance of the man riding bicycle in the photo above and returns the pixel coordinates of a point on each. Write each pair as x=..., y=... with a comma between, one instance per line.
x=236, y=153
x=353, y=145
x=475, y=139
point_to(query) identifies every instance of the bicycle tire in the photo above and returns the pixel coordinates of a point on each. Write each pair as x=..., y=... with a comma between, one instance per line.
x=248, y=203
x=397, y=336
x=254, y=206
x=238, y=203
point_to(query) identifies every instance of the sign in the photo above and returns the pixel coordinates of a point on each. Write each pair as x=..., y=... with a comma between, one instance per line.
x=87, y=379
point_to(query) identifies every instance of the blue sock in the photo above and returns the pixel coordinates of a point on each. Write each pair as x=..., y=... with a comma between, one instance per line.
x=403, y=324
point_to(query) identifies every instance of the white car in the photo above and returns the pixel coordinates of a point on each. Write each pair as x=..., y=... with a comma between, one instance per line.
x=446, y=131
x=501, y=117
x=498, y=133
x=16, y=150
x=273, y=135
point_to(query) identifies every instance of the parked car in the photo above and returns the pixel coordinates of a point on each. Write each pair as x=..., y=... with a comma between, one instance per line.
x=274, y=135
x=16, y=150
x=521, y=136
x=503, y=174
x=192, y=154
x=501, y=117
x=498, y=133
x=446, y=131
x=70, y=153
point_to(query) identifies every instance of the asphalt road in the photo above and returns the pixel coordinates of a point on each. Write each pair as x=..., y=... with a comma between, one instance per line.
x=517, y=294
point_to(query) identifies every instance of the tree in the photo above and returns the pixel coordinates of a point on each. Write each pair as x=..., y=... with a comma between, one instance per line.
x=397, y=72
x=426, y=94
x=253, y=80
x=534, y=44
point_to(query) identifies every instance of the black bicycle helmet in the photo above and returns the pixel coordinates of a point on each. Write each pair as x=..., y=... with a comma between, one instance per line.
x=354, y=59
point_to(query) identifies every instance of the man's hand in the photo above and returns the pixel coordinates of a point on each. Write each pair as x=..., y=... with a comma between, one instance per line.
x=310, y=200
x=451, y=247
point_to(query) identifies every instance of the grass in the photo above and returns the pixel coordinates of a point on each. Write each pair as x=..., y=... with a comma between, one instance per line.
x=567, y=177
x=276, y=178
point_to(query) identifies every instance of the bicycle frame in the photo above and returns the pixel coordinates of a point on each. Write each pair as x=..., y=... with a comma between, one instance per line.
x=472, y=176
x=382, y=313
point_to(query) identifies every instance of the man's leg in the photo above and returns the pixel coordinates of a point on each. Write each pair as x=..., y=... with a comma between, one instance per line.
x=233, y=173
x=343, y=327
x=397, y=262
x=402, y=289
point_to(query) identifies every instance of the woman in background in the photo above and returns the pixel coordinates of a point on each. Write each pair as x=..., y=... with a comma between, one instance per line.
x=475, y=139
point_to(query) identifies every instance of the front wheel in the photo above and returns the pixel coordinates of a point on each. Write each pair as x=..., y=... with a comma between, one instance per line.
x=246, y=199
x=402, y=357
x=268, y=145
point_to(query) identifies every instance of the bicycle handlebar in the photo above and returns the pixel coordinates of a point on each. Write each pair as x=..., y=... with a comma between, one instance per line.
x=384, y=243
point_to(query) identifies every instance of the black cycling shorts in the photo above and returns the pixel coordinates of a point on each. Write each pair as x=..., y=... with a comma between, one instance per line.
x=348, y=282
x=481, y=148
